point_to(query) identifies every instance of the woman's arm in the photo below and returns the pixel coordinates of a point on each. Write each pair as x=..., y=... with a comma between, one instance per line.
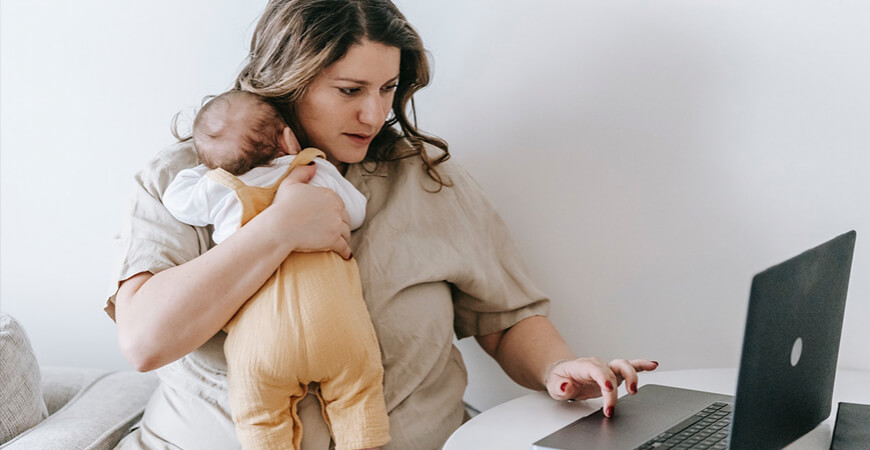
x=163, y=317
x=534, y=354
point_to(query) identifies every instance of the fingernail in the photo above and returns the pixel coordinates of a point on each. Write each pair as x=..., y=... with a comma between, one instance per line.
x=608, y=385
x=609, y=412
x=655, y=362
x=634, y=387
x=564, y=386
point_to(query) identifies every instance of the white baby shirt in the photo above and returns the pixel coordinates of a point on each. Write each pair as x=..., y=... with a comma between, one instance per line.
x=195, y=199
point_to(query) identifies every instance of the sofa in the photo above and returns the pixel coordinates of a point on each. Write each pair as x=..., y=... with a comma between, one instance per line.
x=63, y=408
x=66, y=408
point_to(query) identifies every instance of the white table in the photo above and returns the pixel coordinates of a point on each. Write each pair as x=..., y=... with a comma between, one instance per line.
x=517, y=424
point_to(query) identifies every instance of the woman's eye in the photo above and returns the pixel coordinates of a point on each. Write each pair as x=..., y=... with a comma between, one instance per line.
x=390, y=88
x=349, y=91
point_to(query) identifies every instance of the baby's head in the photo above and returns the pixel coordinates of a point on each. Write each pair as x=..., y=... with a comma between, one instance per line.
x=238, y=131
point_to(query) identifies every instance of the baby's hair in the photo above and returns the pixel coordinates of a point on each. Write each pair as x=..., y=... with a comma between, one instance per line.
x=258, y=144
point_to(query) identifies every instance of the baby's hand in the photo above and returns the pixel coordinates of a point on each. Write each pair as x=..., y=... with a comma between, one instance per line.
x=291, y=144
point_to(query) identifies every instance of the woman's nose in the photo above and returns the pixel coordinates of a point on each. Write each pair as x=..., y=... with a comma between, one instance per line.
x=374, y=110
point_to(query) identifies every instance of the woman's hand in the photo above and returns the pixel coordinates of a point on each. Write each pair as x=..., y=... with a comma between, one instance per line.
x=162, y=317
x=525, y=350
x=314, y=217
x=585, y=378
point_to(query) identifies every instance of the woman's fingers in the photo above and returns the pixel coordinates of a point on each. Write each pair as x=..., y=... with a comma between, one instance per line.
x=342, y=247
x=301, y=174
x=314, y=217
x=628, y=369
x=608, y=383
x=644, y=365
x=624, y=370
x=581, y=379
x=342, y=244
x=345, y=217
x=585, y=378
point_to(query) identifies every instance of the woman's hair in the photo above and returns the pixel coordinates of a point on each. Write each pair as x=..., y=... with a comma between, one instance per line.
x=295, y=40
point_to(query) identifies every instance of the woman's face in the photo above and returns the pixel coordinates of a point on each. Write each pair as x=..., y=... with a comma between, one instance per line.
x=346, y=105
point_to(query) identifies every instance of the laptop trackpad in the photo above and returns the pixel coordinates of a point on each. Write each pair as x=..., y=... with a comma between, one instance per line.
x=636, y=419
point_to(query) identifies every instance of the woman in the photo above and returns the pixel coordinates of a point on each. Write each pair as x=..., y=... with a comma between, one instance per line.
x=435, y=259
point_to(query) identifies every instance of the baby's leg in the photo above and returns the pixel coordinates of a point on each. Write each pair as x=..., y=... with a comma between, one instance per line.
x=354, y=399
x=266, y=418
x=263, y=388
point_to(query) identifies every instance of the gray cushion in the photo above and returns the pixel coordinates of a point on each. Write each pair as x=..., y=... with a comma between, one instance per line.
x=96, y=418
x=21, y=402
x=60, y=384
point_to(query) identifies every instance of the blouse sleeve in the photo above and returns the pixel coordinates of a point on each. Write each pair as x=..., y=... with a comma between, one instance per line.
x=492, y=290
x=151, y=240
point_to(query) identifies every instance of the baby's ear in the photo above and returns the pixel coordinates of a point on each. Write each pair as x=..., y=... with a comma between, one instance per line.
x=289, y=142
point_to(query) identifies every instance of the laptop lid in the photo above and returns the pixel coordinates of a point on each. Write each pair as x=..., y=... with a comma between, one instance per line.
x=790, y=346
x=787, y=368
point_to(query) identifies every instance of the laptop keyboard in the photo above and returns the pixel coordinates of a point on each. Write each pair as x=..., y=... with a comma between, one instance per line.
x=707, y=429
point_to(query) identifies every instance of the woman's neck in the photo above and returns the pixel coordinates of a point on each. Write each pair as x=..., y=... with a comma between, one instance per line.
x=342, y=167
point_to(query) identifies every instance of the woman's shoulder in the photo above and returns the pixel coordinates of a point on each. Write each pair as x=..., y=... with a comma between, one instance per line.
x=405, y=184
x=176, y=157
x=163, y=168
x=410, y=180
x=449, y=170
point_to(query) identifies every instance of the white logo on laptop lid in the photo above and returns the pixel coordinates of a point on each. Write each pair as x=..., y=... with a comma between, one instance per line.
x=796, y=350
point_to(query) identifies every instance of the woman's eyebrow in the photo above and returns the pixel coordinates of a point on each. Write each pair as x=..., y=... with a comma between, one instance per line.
x=363, y=82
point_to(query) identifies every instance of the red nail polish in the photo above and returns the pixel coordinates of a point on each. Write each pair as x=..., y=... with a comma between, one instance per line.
x=564, y=386
x=609, y=412
x=608, y=385
x=655, y=362
x=634, y=387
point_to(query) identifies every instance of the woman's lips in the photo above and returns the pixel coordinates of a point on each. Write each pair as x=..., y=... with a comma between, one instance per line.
x=360, y=139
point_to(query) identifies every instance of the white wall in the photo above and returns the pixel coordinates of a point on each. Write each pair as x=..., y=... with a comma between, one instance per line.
x=88, y=92
x=649, y=157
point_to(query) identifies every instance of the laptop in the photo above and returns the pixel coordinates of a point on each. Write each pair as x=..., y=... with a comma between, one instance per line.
x=786, y=378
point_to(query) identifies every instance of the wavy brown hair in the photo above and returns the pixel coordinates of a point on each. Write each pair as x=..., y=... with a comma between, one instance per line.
x=295, y=40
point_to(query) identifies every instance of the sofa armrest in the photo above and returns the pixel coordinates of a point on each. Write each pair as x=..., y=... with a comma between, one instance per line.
x=97, y=417
x=61, y=384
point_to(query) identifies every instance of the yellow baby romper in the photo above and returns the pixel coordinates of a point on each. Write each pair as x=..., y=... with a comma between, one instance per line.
x=307, y=323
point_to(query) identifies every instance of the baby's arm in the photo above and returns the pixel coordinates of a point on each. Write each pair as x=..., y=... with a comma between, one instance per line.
x=186, y=198
x=195, y=199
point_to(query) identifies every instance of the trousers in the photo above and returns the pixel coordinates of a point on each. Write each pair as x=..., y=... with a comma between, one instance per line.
x=307, y=324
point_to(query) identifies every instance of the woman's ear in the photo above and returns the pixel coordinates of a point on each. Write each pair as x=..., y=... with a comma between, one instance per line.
x=289, y=142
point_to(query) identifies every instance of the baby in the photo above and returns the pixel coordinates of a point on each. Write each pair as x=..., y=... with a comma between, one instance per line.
x=312, y=301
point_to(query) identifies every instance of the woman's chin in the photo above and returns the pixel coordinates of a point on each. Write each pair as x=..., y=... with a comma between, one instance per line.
x=352, y=156
x=356, y=158
x=346, y=156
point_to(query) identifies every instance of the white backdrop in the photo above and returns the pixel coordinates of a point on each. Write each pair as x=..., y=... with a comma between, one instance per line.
x=649, y=157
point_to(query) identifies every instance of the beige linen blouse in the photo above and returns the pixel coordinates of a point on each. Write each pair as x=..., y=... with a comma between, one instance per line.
x=432, y=265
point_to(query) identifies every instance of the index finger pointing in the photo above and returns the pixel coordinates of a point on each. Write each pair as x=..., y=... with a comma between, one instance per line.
x=607, y=381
